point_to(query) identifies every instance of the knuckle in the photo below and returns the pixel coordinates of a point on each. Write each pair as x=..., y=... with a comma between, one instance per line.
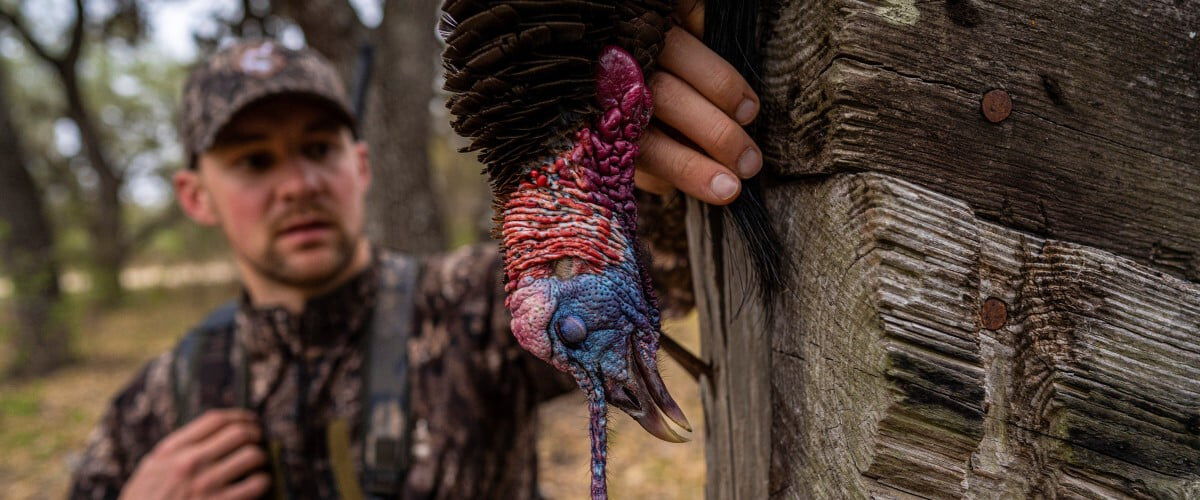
x=674, y=40
x=201, y=486
x=259, y=483
x=728, y=86
x=648, y=145
x=658, y=82
x=179, y=475
x=255, y=455
x=685, y=164
x=666, y=90
x=724, y=135
x=245, y=433
x=187, y=465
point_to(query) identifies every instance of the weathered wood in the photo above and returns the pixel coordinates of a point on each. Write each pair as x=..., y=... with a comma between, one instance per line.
x=737, y=395
x=1102, y=146
x=884, y=381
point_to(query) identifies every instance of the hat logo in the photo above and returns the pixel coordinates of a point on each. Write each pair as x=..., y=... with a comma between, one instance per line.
x=260, y=61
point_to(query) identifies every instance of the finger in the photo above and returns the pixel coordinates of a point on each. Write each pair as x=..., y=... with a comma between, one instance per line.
x=651, y=183
x=229, y=438
x=204, y=426
x=688, y=58
x=252, y=487
x=690, y=14
x=682, y=108
x=687, y=169
x=225, y=471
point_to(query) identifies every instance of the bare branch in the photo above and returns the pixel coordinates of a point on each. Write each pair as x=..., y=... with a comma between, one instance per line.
x=14, y=19
x=77, y=34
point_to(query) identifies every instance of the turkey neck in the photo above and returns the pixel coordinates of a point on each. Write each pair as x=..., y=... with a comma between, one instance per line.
x=575, y=212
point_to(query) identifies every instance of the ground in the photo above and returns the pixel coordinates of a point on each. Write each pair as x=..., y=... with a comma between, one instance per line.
x=44, y=422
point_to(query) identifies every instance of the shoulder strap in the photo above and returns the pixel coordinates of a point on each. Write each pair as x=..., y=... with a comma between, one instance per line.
x=189, y=359
x=385, y=426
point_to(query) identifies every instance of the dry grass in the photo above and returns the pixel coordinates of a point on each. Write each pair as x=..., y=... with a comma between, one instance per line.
x=44, y=422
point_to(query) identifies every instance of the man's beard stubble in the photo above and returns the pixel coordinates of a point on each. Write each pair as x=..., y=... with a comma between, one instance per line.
x=274, y=265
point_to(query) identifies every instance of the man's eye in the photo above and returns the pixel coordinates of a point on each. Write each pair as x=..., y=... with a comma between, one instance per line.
x=258, y=161
x=315, y=151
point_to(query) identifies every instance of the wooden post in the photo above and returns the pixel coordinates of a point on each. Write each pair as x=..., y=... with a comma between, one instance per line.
x=1000, y=306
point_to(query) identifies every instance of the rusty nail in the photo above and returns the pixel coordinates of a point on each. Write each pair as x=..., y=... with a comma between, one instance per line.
x=993, y=314
x=997, y=105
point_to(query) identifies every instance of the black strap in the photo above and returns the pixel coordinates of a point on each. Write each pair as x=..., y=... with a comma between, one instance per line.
x=211, y=348
x=189, y=361
x=386, y=424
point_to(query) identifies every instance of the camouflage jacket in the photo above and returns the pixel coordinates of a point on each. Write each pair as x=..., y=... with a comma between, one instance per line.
x=474, y=391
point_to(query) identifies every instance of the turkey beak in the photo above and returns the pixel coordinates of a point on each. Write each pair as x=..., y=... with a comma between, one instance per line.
x=646, y=400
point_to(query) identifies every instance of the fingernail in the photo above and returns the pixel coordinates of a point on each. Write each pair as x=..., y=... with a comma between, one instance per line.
x=745, y=111
x=750, y=163
x=724, y=186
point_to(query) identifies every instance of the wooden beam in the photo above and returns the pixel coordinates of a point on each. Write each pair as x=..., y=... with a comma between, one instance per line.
x=1102, y=146
x=926, y=353
x=736, y=391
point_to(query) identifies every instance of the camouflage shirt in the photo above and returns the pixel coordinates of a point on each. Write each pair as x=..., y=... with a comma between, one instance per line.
x=473, y=401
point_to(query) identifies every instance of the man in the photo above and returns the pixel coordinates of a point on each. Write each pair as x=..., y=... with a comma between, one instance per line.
x=275, y=164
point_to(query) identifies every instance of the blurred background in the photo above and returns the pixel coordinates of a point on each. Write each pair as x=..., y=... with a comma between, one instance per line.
x=100, y=271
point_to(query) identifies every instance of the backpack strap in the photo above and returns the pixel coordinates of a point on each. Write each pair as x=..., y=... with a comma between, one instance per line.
x=194, y=356
x=385, y=444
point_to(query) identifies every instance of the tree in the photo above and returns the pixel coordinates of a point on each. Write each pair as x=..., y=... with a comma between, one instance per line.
x=111, y=241
x=41, y=338
x=405, y=212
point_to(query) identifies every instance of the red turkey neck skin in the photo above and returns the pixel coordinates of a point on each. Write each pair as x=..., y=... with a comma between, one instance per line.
x=580, y=296
x=576, y=213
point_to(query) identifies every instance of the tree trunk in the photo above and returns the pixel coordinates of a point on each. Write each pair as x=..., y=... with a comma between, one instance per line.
x=979, y=309
x=40, y=339
x=403, y=206
x=406, y=212
x=105, y=224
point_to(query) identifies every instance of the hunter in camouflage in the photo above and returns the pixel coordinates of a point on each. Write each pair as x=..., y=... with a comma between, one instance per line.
x=275, y=163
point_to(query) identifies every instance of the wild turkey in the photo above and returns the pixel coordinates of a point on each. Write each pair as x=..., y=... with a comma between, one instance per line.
x=552, y=94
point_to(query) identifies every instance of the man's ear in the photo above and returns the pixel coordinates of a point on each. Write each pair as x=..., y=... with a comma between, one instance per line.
x=194, y=198
x=364, y=163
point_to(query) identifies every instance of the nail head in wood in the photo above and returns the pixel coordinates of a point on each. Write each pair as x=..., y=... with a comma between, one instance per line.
x=993, y=314
x=997, y=105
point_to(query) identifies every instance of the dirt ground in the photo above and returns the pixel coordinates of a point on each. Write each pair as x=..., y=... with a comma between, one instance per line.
x=44, y=422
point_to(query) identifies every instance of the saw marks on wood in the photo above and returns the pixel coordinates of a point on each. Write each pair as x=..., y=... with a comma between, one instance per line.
x=885, y=382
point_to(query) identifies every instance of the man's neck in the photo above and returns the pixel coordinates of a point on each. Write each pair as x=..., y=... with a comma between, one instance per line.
x=264, y=291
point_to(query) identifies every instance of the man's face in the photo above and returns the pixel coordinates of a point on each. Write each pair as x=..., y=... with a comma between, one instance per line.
x=285, y=181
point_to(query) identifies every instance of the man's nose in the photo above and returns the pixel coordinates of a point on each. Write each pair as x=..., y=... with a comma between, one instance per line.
x=302, y=178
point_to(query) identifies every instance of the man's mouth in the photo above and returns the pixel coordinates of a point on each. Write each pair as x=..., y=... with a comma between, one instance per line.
x=305, y=228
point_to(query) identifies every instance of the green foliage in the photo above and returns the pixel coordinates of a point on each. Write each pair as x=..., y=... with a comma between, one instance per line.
x=131, y=89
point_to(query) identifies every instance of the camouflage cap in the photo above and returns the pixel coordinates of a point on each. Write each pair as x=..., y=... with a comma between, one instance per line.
x=246, y=72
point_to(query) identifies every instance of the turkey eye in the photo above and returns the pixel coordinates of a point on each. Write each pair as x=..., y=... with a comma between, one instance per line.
x=572, y=330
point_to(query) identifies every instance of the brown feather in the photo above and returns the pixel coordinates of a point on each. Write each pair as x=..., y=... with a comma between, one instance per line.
x=521, y=71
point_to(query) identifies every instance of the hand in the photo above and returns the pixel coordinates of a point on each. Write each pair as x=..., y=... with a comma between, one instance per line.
x=701, y=97
x=207, y=458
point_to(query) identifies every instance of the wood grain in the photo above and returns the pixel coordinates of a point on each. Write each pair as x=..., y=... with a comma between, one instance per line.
x=884, y=381
x=737, y=395
x=1102, y=146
